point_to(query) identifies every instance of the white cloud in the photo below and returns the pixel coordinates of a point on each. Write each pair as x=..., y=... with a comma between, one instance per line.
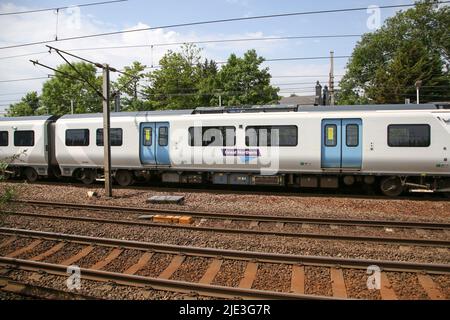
x=17, y=29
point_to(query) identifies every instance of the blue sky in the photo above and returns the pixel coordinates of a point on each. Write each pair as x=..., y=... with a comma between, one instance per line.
x=140, y=13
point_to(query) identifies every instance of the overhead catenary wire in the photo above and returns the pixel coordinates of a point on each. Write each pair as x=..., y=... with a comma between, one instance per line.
x=208, y=22
x=60, y=8
x=189, y=42
x=24, y=79
x=35, y=62
x=12, y=94
x=217, y=41
x=276, y=60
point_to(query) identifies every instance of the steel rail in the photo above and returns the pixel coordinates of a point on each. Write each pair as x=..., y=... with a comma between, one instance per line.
x=35, y=291
x=250, y=217
x=386, y=265
x=320, y=236
x=156, y=283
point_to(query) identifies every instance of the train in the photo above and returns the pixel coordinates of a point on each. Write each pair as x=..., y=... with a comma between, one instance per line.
x=392, y=148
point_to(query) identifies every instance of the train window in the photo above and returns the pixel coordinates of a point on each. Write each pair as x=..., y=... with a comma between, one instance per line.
x=115, y=135
x=3, y=138
x=409, y=135
x=147, y=137
x=271, y=136
x=212, y=136
x=330, y=135
x=163, y=136
x=24, y=138
x=352, y=135
x=77, y=137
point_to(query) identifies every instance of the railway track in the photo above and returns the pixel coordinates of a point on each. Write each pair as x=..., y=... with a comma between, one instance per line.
x=24, y=289
x=310, y=235
x=244, y=217
x=253, y=190
x=253, y=222
x=213, y=260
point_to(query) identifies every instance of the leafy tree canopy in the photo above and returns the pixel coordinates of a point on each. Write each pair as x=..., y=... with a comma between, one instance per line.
x=385, y=65
x=28, y=105
x=174, y=84
x=184, y=81
x=244, y=82
x=58, y=92
x=128, y=86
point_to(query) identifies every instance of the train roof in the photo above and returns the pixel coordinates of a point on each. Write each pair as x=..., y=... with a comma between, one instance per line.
x=130, y=114
x=247, y=109
x=298, y=108
x=45, y=117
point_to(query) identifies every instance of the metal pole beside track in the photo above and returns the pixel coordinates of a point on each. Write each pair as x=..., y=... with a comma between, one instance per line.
x=106, y=136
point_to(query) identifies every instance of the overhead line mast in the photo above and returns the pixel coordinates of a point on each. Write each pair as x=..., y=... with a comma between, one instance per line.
x=106, y=98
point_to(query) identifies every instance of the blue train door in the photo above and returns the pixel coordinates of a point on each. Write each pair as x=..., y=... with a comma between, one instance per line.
x=351, y=143
x=341, y=143
x=331, y=143
x=154, y=143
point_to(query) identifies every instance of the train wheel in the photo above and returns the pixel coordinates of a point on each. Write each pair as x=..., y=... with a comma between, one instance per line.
x=88, y=176
x=30, y=174
x=124, y=178
x=391, y=186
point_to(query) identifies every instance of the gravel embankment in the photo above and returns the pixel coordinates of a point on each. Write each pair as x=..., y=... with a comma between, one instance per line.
x=276, y=277
x=269, y=276
x=239, y=225
x=274, y=244
x=231, y=273
x=311, y=206
x=406, y=286
x=317, y=281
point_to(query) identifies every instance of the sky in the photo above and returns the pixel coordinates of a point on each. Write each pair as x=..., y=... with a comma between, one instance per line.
x=290, y=76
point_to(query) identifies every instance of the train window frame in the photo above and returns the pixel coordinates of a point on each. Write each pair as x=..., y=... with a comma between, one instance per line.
x=191, y=139
x=114, y=143
x=269, y=135
x=392, y=145
x=147, y=142
x=357, y=135
x=29, y=144
x=325, y=136
x=4, y=142
x=163, y=139
x=86, y=141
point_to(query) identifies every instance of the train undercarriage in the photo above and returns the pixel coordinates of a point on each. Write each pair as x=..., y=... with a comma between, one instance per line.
x=391, y=186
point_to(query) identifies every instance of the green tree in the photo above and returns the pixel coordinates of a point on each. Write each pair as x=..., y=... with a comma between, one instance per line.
x=58, y=92
x=208, y=83
x=175, y=84
x=243, y=82
x=128, y=86
x=28, y=106
x=385, y=65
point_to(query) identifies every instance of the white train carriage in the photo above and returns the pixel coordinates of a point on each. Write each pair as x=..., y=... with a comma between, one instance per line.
x=80, y=152
x=306, y=146
x=398, y=147
x=25, y=146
